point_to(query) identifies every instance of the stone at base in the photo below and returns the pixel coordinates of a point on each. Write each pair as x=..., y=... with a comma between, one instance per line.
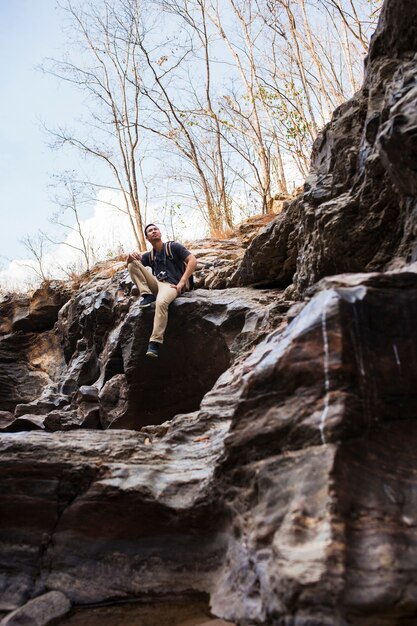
x=40, y=611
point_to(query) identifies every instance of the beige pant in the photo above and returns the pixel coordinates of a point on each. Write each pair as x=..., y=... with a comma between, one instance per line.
x=164, y=293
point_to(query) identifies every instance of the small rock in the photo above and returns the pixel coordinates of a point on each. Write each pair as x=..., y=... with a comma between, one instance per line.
x=88, y=393
x=72, y=420
x=40, y=611
x=113, y=399
x=25, y=422
x=42, y=405
x=295, y=310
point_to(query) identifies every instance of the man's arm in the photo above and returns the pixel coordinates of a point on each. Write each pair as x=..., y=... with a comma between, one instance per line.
x=133, y=256
x=137, y=256
x=191, y=264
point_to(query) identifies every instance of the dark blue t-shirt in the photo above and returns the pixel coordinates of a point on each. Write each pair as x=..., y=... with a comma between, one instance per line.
x=174, y=267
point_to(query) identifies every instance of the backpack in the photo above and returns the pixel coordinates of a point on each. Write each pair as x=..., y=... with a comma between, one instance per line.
x=179, y=264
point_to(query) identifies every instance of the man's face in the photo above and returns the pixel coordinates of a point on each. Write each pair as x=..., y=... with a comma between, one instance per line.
x=153, y=233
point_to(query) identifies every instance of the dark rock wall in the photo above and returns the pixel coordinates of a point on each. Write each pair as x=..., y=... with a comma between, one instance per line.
x=396, y=35
x=288, y=496
x=31, y=356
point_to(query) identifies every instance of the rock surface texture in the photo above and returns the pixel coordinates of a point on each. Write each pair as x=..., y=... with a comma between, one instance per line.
x=265, y=463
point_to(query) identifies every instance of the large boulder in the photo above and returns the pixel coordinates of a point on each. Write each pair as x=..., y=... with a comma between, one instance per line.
x=206, y=331
x=90, y=370
x=271, y=257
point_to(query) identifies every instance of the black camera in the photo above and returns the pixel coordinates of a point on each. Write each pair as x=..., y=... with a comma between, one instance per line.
x=162, y=275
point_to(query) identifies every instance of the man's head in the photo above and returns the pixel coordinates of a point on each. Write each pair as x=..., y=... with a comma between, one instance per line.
x=152, y=232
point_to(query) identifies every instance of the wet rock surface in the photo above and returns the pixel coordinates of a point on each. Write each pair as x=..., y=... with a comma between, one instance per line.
x=295, y=461
x=267, y=459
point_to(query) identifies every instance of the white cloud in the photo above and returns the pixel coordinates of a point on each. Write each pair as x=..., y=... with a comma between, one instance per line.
x=108, y=232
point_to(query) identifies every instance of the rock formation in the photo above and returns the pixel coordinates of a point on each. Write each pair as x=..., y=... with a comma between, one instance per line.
x=267, y=460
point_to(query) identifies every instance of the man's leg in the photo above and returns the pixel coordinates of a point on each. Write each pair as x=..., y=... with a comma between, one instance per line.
x=166, y=295
x=144, y=280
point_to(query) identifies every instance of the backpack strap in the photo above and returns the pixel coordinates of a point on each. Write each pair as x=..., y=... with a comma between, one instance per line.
x=166, y=252
x=170, y=255
x=168, y=249
x=180, y=264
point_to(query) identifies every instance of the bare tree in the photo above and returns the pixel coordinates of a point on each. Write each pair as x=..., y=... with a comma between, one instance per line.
x=232, y=94
x=185, y=117
x=109, y=72
x=309, y=64
x=70, y=197
x=248, y=75
x=37, y=246
x=193, y=13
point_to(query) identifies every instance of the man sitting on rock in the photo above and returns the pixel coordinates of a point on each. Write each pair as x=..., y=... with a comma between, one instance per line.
x=172, y=266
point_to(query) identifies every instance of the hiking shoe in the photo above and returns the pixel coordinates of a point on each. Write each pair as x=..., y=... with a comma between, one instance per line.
x=146, y=300
x=153, y=349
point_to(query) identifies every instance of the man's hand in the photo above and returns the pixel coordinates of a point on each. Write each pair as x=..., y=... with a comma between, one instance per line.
x=191, y=264
x=134, y=256
x=180, y=286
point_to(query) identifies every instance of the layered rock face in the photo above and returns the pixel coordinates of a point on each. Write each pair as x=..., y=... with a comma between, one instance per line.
x=267, y=459
x=30, y=353
x=288, y=496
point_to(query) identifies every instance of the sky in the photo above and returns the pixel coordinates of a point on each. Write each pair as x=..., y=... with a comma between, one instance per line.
x=31, y=31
